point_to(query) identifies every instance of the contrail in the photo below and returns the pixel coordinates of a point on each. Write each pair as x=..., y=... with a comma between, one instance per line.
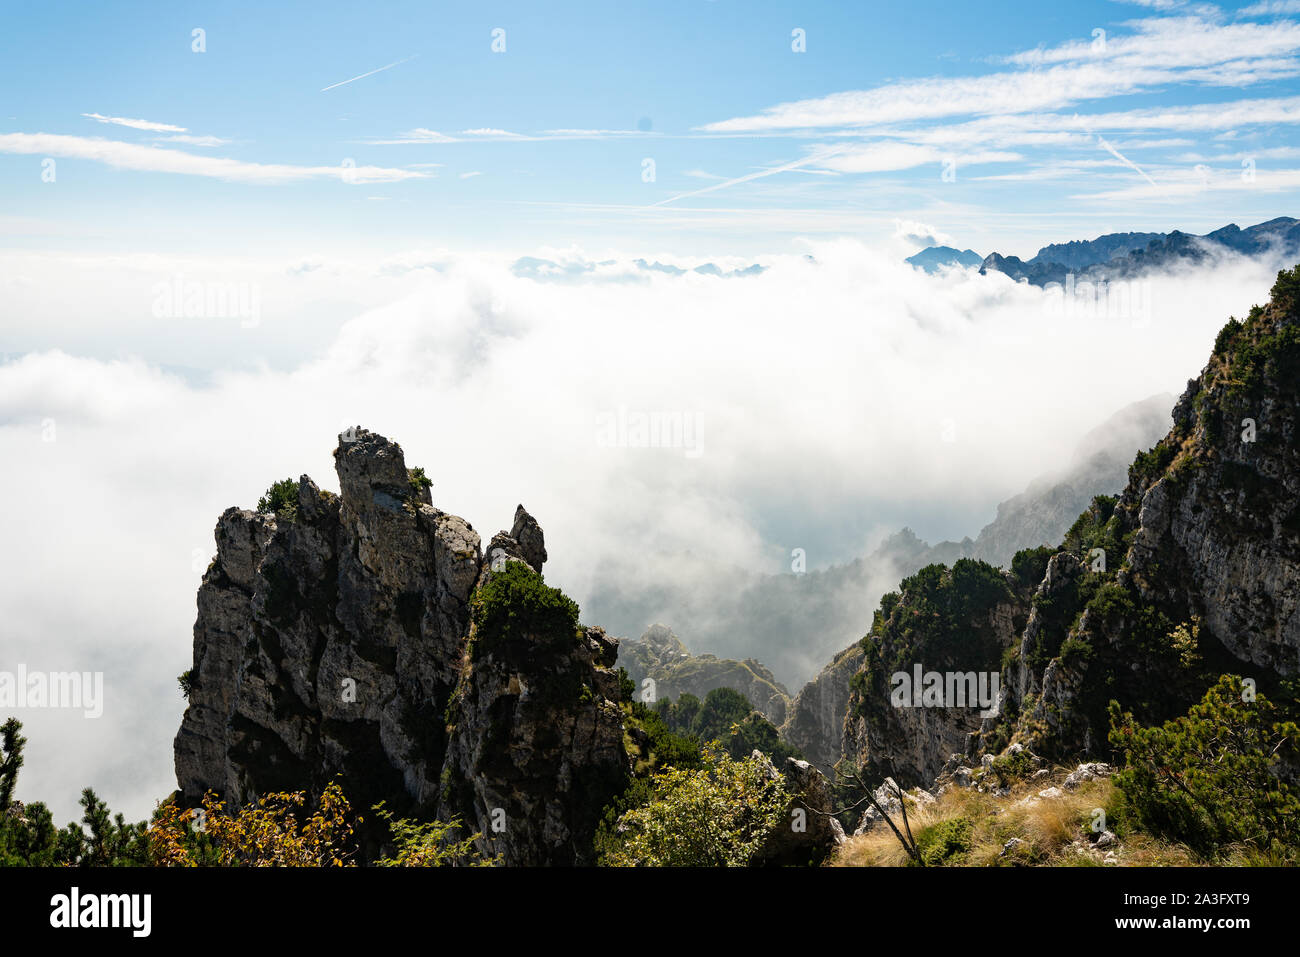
x=1124, y=159
x=371, y=73
x=815, y=158
x=1118, y=155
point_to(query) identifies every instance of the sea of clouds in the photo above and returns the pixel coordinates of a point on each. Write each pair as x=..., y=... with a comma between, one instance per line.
x=832, y=398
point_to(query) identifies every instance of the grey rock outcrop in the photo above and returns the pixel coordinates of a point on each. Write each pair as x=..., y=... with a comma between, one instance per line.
x=810, y=833
x=334, y=641
x=886, y=797
x=528, y=534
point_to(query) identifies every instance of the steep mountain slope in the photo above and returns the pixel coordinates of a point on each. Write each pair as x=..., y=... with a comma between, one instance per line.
x=1193, y=571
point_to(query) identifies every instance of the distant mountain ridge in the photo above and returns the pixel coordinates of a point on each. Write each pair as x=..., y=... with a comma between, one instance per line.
x=1079, y=254
x=1116, y=255
x=1122, y=255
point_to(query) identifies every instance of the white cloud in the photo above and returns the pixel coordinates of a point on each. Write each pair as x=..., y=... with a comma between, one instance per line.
x=920, y=234
x=1071, y=129
x=1176, y=43
x=1270, y=7
x=1265, y=153
x=471, y=174
x=1059, y=169
x=153, y=159
x=1160, y=52
x=193, y=140
x=488, y=131
x=1158, y=144
x=881, y=157
x=415, y=137
x=1179, y=185
x=135, y=124
x=489, y=134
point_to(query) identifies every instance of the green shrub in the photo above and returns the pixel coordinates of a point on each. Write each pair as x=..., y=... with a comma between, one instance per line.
x=1011, y=768
x=1285, y=293
x=29, y=838
x=1074, y=650
x=280, y=500
x=946, y=842
x=1211, y=779
x=626, y=686
x=1029, y=565
x=1149, y=466
x=721, y=709
x=668, y=746
x=419, y=481
x=720, y=815
x=1226, y=336
x=429, y=843
x=726, y=718
x=516, y=606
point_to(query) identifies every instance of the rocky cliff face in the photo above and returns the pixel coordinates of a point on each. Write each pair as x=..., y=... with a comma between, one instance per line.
x=815, y=723
x=1203, y=555
x=659, y=654
x=1191, y=572
x=334, y=640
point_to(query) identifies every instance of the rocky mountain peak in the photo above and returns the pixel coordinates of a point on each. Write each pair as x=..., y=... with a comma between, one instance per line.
x=532, y=543
x=332, y=640
x=371, y=469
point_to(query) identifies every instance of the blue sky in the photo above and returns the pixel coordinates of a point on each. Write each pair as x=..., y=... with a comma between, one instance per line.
x=1054, y=131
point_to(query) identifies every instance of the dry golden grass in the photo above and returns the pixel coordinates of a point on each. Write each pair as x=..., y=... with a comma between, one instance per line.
x=1055, y=830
